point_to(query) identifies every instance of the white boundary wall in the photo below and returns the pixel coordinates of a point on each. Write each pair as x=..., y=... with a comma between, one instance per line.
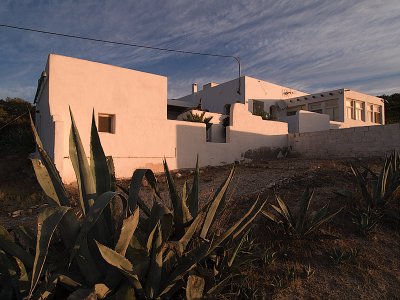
x=365, y=141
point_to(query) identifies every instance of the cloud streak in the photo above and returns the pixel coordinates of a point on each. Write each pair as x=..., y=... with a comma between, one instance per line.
x=309, y=45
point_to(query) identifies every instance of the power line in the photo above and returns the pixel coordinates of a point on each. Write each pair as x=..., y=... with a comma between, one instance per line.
x=126, y=44
x=12, y=121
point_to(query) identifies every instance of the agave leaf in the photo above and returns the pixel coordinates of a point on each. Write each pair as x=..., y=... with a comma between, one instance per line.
x=69, y=228
x=369, y=171
x=156, y=260
x=53, y=282
x=194, y=287
x=319, y=221
x=140, y=202
x=80, y=294
x=128, y=228
x=304, y=205
x=26, y=236
x=236, y=249
x=380, y=186
x=187, y=217
x=193, y=198
x=134, y=188
x=187, y=262
x=111, y=171
x=48, y=221
x=87, y=188
x=98, y=162
x=125, y=292
x=249, y=217
x=216, y=289
x=206, y=248
x=270, y=216
x=362, y=185
x=8, y=245
x=184, y=241
x=23, y=275
x=285, y=211
x=101, y=290
x=91, y=218
x=176, y=202
x=87, y=264
x=121, y=263
x=171, y=256
x=160, y=213
x=45, y=183
x=56, y=182
x=7, y=279
x=216, y=204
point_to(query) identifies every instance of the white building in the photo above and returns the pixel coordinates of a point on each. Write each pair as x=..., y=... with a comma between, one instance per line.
x=303, y=112
x=131, y=113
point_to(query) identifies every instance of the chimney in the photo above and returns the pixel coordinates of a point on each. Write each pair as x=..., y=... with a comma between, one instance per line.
x=194, y=88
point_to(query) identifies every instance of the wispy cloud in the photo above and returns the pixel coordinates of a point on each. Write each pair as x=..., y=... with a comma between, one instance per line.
x=309, y=45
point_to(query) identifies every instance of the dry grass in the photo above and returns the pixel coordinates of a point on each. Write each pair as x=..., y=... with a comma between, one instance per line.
x=373, y=273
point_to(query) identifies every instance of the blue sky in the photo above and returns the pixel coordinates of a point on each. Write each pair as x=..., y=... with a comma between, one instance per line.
x=307, y=45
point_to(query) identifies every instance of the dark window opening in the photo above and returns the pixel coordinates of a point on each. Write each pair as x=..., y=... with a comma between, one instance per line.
x=106, y=123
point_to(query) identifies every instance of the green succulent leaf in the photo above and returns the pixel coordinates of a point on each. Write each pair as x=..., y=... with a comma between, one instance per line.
x=216, y=204
x=176, y=202
x=55, y=187
x=87, y=188
x=25, y=236
x=98, y=162
x=304, y=205
x=156, y=261
x=91, y=218
x=193, y=198
x=121, y=263
x=134, y=189
x=48, y=221
x=128, y=228
x=8, y=245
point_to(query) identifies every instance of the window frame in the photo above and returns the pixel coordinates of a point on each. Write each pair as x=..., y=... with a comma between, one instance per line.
x=111, y=120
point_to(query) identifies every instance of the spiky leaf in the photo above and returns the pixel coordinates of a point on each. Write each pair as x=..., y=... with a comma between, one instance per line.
x=8, y=245
x=56, y=182
x=216, y=204
x=48, y=221
x=98, y=162
x=87, y=188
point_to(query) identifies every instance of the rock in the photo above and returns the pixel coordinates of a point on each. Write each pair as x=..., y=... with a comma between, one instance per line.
x=280, y=155
x=16, y=213
x=178, y=175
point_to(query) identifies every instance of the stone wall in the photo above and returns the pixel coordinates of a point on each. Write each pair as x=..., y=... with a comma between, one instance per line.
x=365, y=141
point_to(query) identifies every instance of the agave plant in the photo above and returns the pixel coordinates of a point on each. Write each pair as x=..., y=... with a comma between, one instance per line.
x=365, y=220
x=112, y=250
x=377, y=192
x=303, y=224
x=172, y=244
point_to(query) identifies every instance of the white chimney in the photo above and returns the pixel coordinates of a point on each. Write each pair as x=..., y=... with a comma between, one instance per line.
x=194, y=88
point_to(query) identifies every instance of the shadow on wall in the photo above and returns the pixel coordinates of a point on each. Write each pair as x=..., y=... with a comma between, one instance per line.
x=191, y=141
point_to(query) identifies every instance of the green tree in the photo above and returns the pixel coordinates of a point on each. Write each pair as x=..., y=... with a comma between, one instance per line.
x=392, y=108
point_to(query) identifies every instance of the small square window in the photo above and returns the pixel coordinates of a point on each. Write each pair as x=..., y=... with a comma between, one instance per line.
x=106, y=123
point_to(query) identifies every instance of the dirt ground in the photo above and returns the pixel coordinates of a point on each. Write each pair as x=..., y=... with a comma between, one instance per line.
x=373, y=273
